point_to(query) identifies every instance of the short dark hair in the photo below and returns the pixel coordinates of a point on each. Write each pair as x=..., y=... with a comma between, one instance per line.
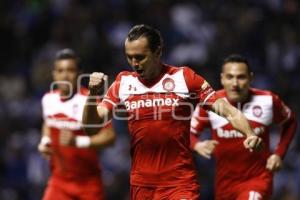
x=142, y=30
x=67, y=53
x=236, y=58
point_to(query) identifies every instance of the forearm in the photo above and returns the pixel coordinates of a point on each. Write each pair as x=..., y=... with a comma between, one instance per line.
x=234, y=116
x=105, y=138
x=240, y=123
x=102, y=139
x=45, y=137
x=91, y=120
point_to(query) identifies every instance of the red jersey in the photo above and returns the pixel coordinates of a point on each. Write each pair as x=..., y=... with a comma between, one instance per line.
x=234, y=163
x=61, y=116
x=159, y=122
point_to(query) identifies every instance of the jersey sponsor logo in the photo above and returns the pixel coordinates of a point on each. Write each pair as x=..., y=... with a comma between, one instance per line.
x=151, y=103
x=168, y=84
x=257, y=111
x=63, y=124
x=236, y=134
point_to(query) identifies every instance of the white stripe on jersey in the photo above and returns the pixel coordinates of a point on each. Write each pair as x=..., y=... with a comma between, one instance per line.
x=130, y=85
x=109, y=101
x=208, y=96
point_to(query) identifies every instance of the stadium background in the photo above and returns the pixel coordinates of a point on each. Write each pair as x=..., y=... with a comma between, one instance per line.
x=197, y=33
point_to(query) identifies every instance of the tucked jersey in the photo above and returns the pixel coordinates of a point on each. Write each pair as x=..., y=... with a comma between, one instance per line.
x=234, y=163
x=65, y=116
x=159, y=115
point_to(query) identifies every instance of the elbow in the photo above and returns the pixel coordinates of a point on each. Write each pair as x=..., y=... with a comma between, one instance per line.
x=291, y=122
x=111, y=138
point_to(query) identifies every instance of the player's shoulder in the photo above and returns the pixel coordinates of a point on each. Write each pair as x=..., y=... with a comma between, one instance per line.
x=261, y=92
x=126, y=73
x=266, y=93
x=50, y=94
x=83, y=91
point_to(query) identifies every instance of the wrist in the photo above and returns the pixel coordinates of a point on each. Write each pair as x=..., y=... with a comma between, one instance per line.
x=82, y=141
x=45, y=140
x=249, y=134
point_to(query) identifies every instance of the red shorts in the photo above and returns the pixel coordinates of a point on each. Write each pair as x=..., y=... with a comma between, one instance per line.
x=187, y=192
x=258, y=188
x=89, y=189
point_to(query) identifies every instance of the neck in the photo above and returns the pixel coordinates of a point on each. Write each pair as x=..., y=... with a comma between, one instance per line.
x=65, y=95
x=156, y=73
x=240, y=100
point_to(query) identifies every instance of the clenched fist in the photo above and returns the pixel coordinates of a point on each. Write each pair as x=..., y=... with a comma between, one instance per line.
x=97, y=80
x=274, y=163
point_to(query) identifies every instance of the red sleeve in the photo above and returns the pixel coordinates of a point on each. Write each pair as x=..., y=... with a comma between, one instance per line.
x=111, y=98
x=284, y=117
x=199, y=122
x=200, y=88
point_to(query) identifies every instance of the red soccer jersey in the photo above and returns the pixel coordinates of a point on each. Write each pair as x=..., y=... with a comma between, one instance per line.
x=159, y=122
x=234, y=163
x=61, y=116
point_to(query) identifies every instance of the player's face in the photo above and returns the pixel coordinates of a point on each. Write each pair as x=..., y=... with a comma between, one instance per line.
x=236, y=79
x=140, y=57
x=65, y=70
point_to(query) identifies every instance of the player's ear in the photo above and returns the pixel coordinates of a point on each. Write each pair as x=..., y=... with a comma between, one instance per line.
x=222, y=78
x=251, y=74
x=158, y=51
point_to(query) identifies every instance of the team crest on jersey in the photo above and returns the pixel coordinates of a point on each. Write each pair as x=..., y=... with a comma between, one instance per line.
x=168, y=84
x=257, y=111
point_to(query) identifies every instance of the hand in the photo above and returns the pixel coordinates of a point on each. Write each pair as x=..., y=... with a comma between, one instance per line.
x=45, y=149
x=253, y=142
x=206, y=148
x=66, y=138
x=274, y=163
x=97, y=79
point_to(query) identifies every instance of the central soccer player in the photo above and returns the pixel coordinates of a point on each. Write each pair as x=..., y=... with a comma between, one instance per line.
x=159, y=99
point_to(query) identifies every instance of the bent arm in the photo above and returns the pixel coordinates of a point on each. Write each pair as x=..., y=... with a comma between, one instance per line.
x=94, y=117
x=233, y=115
x=44, y=145
x=286, y=135
x=105, y=137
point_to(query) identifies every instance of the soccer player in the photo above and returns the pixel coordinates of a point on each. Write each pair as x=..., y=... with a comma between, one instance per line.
x=75, y=171
x=158, y=99
x=240, y=174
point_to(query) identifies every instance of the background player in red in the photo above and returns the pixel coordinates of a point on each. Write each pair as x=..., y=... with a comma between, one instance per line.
x=75, y=171
x=159, y=100
x=241, y=174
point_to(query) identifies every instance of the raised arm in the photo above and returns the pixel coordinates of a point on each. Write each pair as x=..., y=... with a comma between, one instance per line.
x=238, y=121
x=94, y=117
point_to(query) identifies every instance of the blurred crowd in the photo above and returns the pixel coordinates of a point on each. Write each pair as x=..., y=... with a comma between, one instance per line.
x=196, y=33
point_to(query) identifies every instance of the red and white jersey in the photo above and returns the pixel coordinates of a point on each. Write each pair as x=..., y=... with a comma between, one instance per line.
x=233, y=162
x=65, y=116
x=159, y=123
